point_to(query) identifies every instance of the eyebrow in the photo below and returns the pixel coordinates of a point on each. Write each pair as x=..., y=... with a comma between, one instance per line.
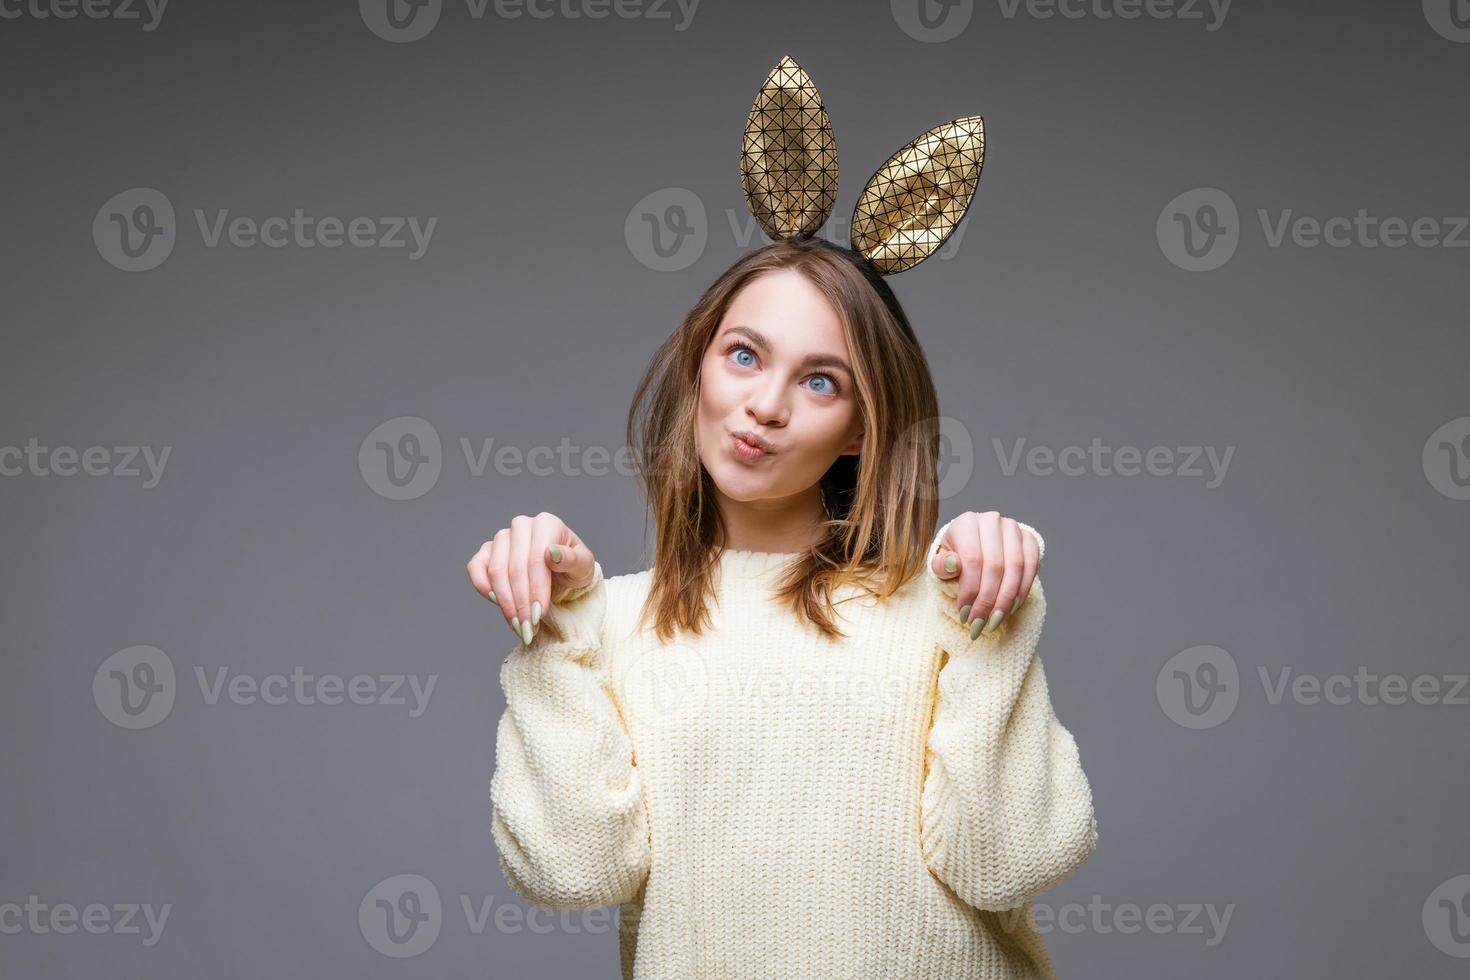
x=811, y=360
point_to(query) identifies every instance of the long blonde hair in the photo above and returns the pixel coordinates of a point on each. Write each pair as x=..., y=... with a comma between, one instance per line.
x=882, y=505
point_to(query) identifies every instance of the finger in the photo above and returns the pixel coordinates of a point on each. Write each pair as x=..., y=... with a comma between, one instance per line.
x=499, y=568
x=546, y=530
x=964, y=540
x=992, y=567
x=1032, y=564
x=946, y=563
x=479, y=572
x=572, y=565
x=521, y=529
x=1010, y=582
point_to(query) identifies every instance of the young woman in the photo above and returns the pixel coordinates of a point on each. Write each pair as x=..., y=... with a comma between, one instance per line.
x=802, y=743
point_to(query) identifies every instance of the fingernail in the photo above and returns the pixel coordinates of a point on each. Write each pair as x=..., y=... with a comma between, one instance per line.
x=526, y=631
x=492, y=598
x=515, y=625
x=951, y=563
x=965, y=613
x=994, y=621
x=1016, y=605
x=556, y=554
x=976, y=627
x=536, y=613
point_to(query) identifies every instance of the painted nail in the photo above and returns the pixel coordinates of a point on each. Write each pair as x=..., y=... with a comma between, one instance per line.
x=951, y=563
x=536, y=613
x=492, y=598
x=515, y=625
x=995, y=617
x=965, y=614
x=1016, y=605
x=526, y=631
x=556, y=554
x=976, y=627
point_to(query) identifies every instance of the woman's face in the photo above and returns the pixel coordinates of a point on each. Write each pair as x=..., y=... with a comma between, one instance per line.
x=778, y=370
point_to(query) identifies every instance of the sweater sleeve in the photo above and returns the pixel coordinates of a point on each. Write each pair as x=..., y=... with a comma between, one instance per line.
x=567, y=807
x=1006, y=809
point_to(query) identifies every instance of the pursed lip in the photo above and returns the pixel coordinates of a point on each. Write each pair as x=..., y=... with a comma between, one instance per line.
x=746, y=435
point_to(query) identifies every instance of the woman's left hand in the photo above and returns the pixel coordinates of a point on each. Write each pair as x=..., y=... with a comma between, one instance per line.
x=995, y=562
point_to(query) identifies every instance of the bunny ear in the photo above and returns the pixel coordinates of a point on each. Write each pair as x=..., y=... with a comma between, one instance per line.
x=788, y=159
x=910, y=206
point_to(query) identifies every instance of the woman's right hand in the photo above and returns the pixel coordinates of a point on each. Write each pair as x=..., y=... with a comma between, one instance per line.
x=525, y=566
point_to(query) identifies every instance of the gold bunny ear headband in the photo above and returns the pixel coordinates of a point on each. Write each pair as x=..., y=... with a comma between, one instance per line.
x=909, y=207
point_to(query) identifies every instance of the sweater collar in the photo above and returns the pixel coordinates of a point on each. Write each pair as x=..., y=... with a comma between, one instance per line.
x=754, y=564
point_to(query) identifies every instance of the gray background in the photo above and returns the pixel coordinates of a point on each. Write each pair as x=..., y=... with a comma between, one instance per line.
x=1058, y=317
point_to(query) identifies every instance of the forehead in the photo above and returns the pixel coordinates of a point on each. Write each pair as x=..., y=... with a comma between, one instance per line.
x=787, y=308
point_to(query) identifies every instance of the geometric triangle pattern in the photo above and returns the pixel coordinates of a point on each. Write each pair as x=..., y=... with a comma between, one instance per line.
x=915, y=200
x=788, y=158
x=908, y=208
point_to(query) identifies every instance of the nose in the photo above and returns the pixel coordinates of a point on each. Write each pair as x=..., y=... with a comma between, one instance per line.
x=766, y=403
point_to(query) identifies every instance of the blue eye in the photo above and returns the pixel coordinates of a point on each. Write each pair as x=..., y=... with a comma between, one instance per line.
x=833, y=387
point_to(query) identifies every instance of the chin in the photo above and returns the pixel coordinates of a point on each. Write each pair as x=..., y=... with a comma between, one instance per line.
x=739, y=483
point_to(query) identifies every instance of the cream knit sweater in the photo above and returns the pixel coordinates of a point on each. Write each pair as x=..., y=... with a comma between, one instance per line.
x=763, y=802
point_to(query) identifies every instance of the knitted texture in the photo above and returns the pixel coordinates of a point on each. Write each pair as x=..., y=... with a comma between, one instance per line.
x=762, y=801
